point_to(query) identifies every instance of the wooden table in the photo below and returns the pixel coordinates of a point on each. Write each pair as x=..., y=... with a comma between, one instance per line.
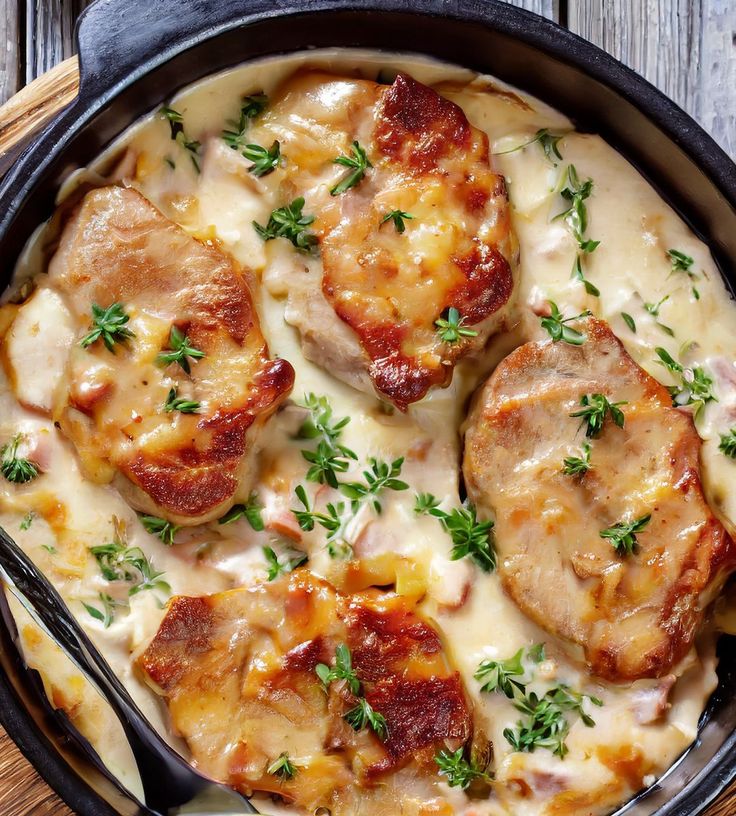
x=685, y=47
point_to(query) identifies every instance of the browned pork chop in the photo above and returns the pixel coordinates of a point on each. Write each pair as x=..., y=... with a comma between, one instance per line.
x=389, y=278
x=238, y=673
x=634, y=613
x=117, y=406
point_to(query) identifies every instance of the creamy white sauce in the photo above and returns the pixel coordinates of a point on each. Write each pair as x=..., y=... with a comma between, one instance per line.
x=630, y=267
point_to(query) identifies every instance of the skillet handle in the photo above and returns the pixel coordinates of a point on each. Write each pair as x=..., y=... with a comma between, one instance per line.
x=115, y=37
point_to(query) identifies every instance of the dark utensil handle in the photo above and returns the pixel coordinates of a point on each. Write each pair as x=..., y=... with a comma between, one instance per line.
x=168, y=781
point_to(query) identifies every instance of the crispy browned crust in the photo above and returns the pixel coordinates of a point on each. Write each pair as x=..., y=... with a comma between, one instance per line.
x=396, y=654
x=634, y=616
x=421, y=134
x=119, y=248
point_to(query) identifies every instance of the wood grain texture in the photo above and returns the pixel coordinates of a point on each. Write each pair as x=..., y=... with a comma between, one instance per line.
x=10, y=51
x=49, y=33
x=684, y=47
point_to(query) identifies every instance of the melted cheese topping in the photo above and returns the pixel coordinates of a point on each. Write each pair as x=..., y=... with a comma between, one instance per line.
x=641, y=727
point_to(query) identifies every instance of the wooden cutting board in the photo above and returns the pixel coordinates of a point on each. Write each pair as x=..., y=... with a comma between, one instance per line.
x=22, y=791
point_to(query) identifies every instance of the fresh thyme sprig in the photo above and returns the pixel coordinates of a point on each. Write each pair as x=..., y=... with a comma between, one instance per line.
x=623, y=535
x=252, y=107
x=107, y=614
x=459, y=772
x=549, y=142
x=27, y=520
x=576, y=215
x=181, y=404
x=276, y=566
x=119, y=562
x=250, y=511
x=161, y=528
x=290, y=222
x=398, y=217
x=16, y=468
x=358, y=163
x=556, y=326
x=330, y=457
x=282, y=767
x=653, y=310
x=109, y=326
x=578, y=274
x=342, y=670
x=265, y=160
x=180, y=351
x=364, y=715
x=381, y=476
x=451, y=328
x=470, y=537
x=727, y=444
x=683, y=263
x=176, y=124
x=545, y=724
x=332, y=521
x=577, y=465
x=695, y=386
x=499, y=675
x=594, y=411
x=629, y=320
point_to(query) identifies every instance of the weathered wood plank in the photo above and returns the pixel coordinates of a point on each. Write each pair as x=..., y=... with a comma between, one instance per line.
x=547, y=8
x=10, y=74
x=49, y=33
x=684, y=47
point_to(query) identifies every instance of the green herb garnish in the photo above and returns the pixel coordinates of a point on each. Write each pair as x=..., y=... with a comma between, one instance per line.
x=180, y=351
x=549, y=143
x=181, y=404
x=265, y=160
x=342, y=670
x=252, y=107
x=381, y=476
x=545, y=724
x=728, y=443
x=577, y=466
x=16, y=468
x=577, y=274
x=398, y=217
x=623, y=535
x=358, y=164
x=594, y=411
x=470, y=537
x=695, y=386
x=161, y=528
x=576, y=215
x=329, y=458
x=451, y=329
x=276, y=567
x=282, y=767
x=108, y=325
x=556, y=326
x=107, y=615
x=459, y=772
x=498, y=675
x=118, y=562
x=250, y=511
x=289, y=222
x=653, y=310
x=629, y=320
x=332, y=521
x=363, y=715
x=27, y=520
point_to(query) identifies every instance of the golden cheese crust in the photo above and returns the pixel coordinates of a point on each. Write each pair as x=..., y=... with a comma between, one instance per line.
x=389, y=287
x=238, y=673
x=634, y=615
x=118, y=248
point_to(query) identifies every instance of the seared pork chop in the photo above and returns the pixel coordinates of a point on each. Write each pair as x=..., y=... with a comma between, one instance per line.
x=118, y=404
x=425, y=230
x=238, y=671
x=633, y=605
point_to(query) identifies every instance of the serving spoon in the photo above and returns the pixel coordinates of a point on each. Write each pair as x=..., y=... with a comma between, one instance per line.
x=171, y=787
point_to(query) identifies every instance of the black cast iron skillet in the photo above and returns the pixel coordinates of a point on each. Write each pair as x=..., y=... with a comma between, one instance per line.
x=135, y=53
